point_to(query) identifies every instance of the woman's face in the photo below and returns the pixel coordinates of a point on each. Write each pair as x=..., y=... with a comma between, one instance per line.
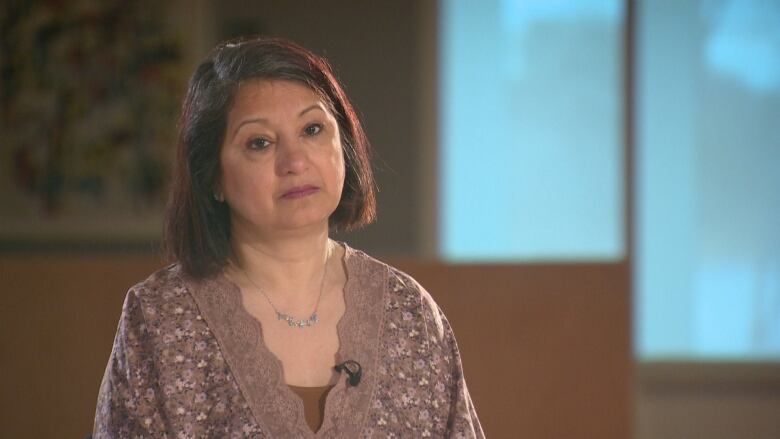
x=281, y=161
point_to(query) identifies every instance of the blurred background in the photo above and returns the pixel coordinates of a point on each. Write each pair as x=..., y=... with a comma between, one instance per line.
x=589, y=188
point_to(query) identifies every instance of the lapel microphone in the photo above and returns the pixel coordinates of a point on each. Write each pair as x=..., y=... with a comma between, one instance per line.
x=353, y=369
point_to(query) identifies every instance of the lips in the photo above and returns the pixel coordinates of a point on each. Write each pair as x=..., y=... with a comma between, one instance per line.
x=300, y=191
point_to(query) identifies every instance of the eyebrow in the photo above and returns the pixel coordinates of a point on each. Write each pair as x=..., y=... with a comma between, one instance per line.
x=264, y=120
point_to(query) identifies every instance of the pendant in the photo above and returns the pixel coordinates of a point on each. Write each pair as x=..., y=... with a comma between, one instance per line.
x=297, y=323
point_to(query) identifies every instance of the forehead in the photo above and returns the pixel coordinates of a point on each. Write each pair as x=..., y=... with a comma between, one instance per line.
x=270, y=96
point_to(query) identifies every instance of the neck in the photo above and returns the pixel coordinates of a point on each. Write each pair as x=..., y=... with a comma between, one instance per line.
x=288, y=268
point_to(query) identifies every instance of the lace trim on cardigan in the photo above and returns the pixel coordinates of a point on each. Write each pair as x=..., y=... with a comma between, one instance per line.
x=259, y=373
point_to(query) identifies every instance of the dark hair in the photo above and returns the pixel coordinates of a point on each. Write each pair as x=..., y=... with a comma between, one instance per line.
x=197, y=227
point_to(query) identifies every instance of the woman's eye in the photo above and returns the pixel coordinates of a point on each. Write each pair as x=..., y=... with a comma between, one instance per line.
x=313, y=129
x=258, y=143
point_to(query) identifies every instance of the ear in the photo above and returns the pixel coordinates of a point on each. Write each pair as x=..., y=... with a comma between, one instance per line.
x=217, y=193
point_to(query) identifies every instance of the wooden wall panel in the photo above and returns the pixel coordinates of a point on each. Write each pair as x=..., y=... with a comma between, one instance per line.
x=57, y=322
x=545, y=348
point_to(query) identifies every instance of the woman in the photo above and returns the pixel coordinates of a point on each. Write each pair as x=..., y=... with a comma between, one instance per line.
x=265, y=327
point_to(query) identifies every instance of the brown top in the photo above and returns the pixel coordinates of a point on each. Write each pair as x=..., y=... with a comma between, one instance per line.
x=189, y=361
x=313, y=403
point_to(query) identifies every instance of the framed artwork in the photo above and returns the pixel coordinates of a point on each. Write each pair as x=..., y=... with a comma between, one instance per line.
x=88, y=106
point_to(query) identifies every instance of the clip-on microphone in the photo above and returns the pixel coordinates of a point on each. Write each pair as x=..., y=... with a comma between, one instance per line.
x=353, y=369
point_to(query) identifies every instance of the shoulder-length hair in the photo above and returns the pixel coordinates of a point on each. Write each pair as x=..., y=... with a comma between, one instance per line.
x=197, y=226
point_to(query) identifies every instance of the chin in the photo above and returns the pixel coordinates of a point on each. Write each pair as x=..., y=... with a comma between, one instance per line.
x=304, y=223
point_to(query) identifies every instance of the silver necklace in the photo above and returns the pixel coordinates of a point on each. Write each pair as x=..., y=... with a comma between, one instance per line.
x=291, y=321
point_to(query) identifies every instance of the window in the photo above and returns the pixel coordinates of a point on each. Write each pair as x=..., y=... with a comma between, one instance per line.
x=532, y=155
x=531, y=161
x=708, y=178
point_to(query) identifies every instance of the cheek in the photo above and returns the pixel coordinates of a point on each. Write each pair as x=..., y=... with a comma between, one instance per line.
x=339, y=168
x=242, y=181
x=230, y=176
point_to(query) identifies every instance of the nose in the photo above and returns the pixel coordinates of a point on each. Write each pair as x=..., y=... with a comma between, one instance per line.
x=291, y=157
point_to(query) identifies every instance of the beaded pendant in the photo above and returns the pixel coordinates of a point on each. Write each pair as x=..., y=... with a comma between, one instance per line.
x=297, y=323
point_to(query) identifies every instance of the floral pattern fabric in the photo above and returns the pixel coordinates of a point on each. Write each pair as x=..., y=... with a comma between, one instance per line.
x=188, y=361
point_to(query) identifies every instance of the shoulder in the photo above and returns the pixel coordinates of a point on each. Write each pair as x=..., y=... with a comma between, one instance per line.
x=408, y=290
x=163, y=294
x=398, y=282
x=164, y=279
x=405, y=298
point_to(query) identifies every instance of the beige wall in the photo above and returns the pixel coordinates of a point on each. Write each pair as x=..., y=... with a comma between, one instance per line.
x=708, y=401
x=546, y=348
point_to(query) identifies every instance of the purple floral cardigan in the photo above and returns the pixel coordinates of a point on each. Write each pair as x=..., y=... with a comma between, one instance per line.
x=189, y=362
